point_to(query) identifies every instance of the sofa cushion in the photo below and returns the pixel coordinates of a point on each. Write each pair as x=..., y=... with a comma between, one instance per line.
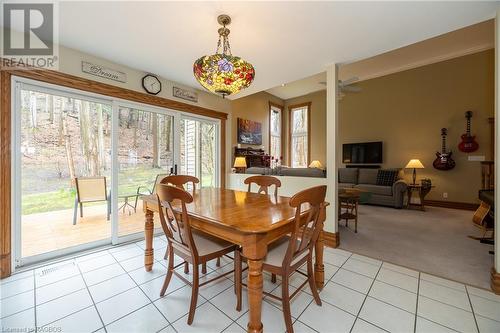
x=387, y=177
x=375, y=189
x=368, y=176
x=303, y=172
x=348, y=175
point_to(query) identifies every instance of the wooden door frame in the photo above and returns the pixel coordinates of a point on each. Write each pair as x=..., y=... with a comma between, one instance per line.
x=75, y=82
x=290, y=108
x=282, y=143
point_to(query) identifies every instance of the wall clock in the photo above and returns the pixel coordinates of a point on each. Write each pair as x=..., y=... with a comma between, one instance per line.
x=151, y=84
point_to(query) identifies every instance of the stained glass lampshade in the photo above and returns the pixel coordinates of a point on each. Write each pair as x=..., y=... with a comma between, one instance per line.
x=223, y=73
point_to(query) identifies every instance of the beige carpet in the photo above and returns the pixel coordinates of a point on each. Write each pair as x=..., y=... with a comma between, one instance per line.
x=434, y=241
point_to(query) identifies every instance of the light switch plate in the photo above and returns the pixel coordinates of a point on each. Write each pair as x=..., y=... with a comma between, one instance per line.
x=476, y=158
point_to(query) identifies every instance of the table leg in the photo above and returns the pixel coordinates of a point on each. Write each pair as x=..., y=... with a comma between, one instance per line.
x=255, y=286
x=148, y=231
x=319, y=268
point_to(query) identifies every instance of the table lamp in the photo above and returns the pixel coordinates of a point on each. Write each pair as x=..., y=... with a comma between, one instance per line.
x=240, y=164
x=414, y=164
x=316, y=164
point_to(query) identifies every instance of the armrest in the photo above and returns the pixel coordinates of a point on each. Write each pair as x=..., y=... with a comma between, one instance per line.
x=143, y=188
x=399, y=186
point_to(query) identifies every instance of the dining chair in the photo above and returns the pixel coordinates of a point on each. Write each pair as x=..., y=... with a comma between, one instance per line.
x=90, y=189
x=288, y=254
x=181, y=181
x=264, y=182
x=194, y=248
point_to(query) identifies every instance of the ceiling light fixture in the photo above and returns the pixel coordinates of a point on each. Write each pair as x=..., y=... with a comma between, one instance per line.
x=222, y=73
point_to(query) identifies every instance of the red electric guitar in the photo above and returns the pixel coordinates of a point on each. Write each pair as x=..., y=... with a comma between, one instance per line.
x=468, y=144
x=443, y=159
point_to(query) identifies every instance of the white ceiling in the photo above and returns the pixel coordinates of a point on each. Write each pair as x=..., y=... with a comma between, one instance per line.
x=285, y=41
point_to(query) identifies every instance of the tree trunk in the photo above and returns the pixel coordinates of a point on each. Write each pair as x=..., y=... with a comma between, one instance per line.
x=67, y=145
x=100, y=138
x=50, y=106
x=156, y=150
x=33, y=110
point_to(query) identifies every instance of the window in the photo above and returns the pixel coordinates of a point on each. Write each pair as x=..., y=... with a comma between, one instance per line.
x=275, y=126
x=299, y=135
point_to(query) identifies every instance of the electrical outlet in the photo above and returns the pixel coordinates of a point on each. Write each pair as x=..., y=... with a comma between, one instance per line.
x=445, y=195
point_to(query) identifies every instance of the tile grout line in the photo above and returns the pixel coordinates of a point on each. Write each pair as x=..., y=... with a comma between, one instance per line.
x=416, y=305
x=364, y=300
x=138, y=286
x=472, y=308
x=91, y=297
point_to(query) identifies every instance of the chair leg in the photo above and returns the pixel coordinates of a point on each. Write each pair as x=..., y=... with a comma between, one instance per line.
x=186, y=267
x=312, y=283
x=169, y=271
x=75, y=211
x=285, y=300
x=218, y=262
x=273, y=278
x=194, y=294
x=237, y=278
x=81, y=209
x=204, y=268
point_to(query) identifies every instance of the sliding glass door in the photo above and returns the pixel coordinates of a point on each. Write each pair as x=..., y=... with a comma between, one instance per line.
x=199, y=150
x=63, y=147
x=146, y=153
x=81, y=163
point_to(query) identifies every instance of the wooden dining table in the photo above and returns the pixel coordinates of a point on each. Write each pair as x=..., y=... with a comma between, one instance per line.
x=250, y=220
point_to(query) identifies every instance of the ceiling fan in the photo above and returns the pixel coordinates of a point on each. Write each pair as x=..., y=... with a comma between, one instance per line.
x=345, y=86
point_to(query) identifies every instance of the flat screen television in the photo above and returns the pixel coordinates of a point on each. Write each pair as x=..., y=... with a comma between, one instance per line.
x=362, y=153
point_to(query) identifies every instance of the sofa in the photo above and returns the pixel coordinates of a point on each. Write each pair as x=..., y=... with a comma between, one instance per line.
x=285, y=171
x=366, y=179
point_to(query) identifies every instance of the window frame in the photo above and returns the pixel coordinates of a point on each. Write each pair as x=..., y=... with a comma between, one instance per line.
x=306, y=105
x=281, y=108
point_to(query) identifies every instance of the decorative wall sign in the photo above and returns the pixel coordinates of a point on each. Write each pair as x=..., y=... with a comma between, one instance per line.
x=104, y=72
x=249, y=132
x=185, y=94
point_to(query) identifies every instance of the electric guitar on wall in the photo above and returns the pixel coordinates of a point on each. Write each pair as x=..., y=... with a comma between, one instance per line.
x=468, y=144
x=443, y=159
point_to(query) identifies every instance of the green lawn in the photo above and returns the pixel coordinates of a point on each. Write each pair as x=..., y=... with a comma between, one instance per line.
x=64, y=198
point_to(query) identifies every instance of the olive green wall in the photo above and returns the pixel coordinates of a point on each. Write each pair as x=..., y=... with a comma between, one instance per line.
x=407, y=110
x=256, y=107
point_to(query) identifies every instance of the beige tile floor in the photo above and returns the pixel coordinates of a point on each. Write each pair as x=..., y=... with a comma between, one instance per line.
x=109, y=291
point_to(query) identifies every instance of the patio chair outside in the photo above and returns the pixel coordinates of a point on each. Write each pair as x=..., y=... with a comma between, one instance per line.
x=90, y=189
x=143, y=190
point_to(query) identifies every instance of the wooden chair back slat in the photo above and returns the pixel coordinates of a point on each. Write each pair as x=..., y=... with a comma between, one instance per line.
x=181, y=181
x=264, y=182
x=158, y=179
x=304, y=235
x=176, y=225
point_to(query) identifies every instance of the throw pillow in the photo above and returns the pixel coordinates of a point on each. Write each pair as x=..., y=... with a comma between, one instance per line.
x=387, y=177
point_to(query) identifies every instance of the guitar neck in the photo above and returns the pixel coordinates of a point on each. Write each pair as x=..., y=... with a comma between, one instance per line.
x=443, y=145
x=468, y=127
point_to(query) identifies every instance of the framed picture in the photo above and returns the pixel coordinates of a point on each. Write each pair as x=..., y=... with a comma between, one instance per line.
x=249, y=132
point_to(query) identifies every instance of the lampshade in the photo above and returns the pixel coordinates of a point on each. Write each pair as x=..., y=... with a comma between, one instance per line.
x=240, y=162
x=223, y=73
x=316, y=164
x=414, y=164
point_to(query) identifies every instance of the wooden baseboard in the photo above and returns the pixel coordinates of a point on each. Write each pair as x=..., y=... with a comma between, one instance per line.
x=495, y=281
x=331, y=239
x=452, y=204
